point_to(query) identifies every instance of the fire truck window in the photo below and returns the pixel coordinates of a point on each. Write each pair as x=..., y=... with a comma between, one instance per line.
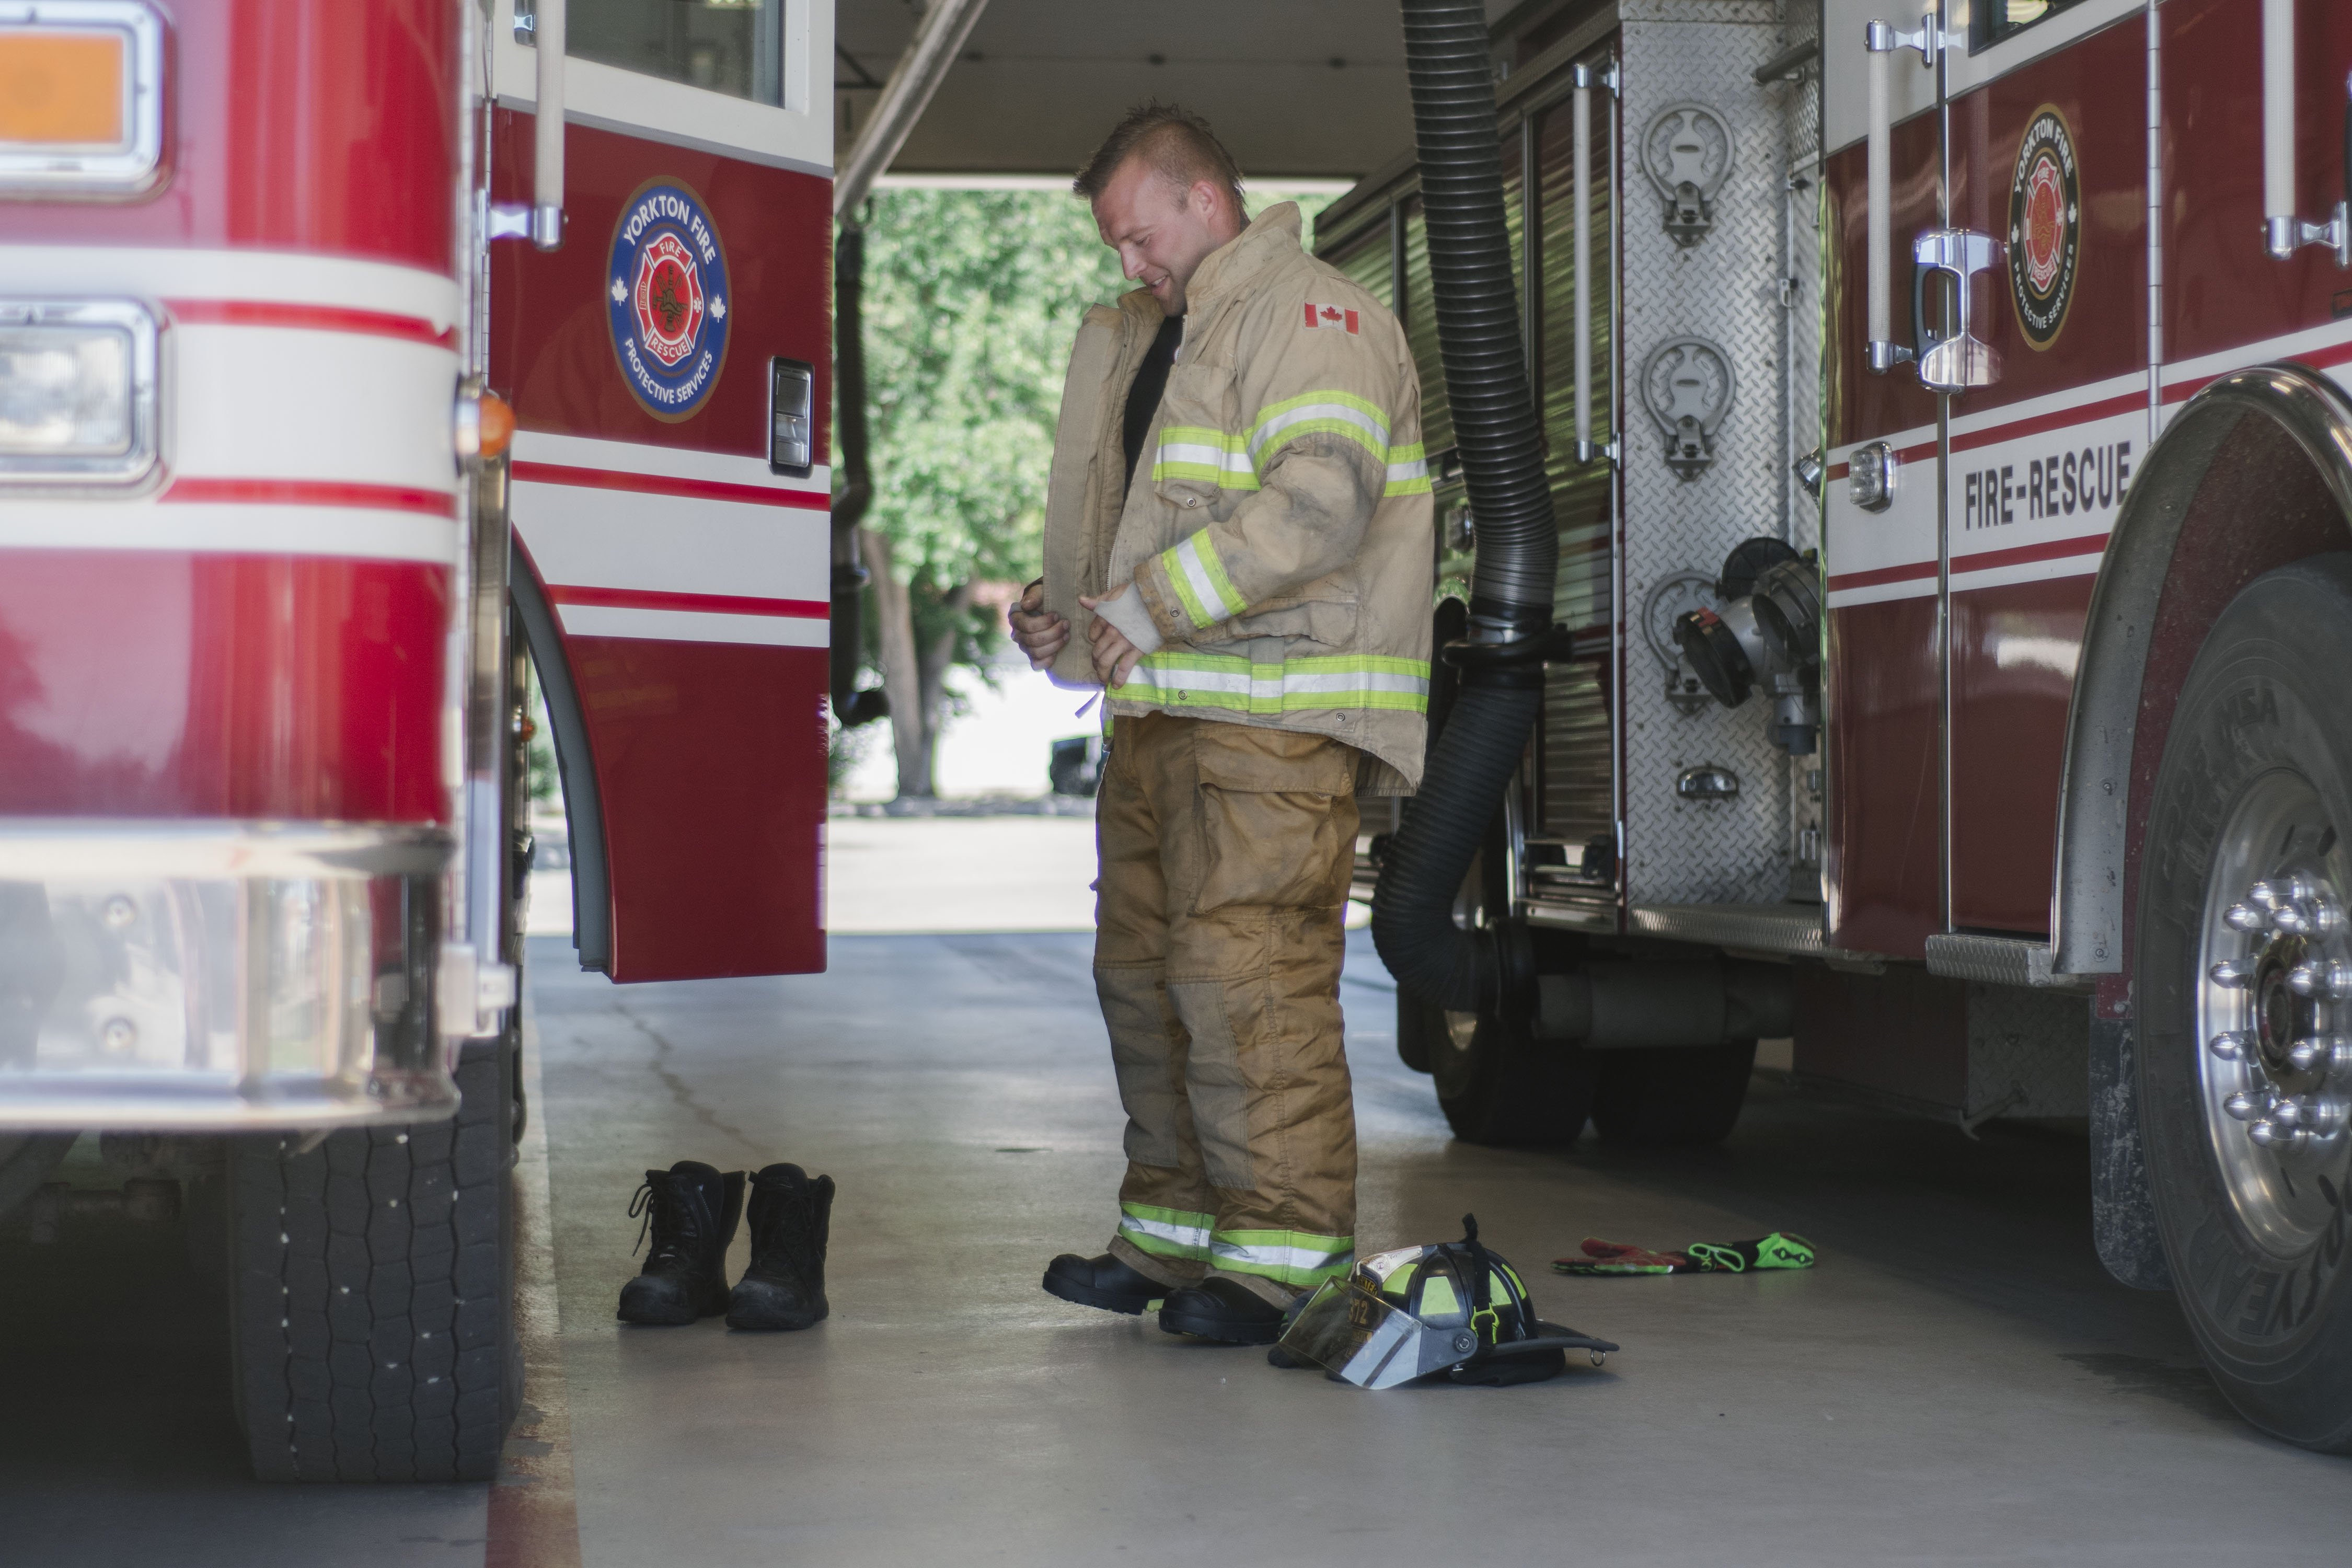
x=1997, y=19
x=734, y=46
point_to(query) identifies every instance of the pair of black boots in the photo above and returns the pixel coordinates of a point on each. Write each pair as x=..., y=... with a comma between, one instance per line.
x=1220, y=1310
x=692, y=1209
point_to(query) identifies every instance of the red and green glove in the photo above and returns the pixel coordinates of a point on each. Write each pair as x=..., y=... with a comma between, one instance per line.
x=1778, y=1250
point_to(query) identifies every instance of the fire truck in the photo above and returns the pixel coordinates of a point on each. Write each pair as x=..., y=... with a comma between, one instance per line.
x=363, y=363
x=1945, y=419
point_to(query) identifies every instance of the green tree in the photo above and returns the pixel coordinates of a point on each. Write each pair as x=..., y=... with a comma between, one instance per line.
x=971, y=298
x=971, y=301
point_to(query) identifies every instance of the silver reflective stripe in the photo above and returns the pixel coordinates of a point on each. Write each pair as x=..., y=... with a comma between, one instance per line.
x=1371, y=681
x=1193, y=1238
x=1188, y=452
x=1186, y=557
x=1264, y=436
x=1225, y=682
x=1281, y=1260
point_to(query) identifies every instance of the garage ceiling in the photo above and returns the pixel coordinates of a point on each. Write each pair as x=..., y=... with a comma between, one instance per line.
x=1311, y=88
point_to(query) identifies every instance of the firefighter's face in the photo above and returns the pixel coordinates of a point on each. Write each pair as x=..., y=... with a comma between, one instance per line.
x=1162, y=234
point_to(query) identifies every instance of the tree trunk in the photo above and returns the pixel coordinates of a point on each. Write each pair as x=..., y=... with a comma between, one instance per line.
x=931, y=682
x=902, y=678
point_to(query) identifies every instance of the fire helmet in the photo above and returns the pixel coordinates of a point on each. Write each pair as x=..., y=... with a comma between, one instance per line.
x=1454, y=1308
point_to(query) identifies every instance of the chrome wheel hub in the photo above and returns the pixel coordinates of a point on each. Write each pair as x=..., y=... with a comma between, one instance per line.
x=2274, y=1010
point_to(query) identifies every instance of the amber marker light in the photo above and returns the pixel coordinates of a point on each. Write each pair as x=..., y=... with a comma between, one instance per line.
x=484, y=428
x=498, y=425
x=63, y=89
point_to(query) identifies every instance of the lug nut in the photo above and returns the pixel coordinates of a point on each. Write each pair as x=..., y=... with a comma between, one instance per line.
x=2233, y=973
x=2244, y=917
x=2270, y=1135
x=2285, y=1113
x=2288, y=918
x=2229, y=1045
x=2263, y=894
x=2242, y=1106
x=2317, y=979
x=2305, y=1054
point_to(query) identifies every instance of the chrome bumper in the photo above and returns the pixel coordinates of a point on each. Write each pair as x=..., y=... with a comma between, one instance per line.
x=220, y=976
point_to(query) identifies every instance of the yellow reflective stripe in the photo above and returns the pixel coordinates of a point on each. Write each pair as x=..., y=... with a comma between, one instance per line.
x=1204, y=455
x=1166, y=1233
x=1349, y=428
x=1201, y=581
x=1183, y=679
x=1329, y=412
x=1328, y=402
x=1208, y=594
x=1408, y=470
x=1187, y=593
x=1287, y=1256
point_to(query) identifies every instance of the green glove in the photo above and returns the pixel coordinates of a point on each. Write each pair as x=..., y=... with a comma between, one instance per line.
x=1778, y=1250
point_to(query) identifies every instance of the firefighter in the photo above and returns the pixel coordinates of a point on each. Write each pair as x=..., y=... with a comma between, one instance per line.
x=1263, y=628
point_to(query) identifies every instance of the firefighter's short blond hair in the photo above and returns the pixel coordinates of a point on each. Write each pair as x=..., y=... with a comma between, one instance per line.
x=1179, y=145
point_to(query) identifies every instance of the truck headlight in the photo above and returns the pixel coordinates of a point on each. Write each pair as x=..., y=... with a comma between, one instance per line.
x=78, y=392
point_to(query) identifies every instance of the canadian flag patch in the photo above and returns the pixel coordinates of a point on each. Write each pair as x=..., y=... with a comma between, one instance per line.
x=1331, y=316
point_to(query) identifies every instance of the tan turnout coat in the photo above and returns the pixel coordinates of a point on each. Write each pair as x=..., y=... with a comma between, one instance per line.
x=1278, y=529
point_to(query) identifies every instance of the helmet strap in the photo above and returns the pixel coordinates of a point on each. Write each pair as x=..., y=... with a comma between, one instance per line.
x=1482, y=1321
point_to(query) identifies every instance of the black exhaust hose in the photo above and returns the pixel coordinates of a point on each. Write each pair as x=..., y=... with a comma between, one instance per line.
x=851, y=707
x=1500, y=442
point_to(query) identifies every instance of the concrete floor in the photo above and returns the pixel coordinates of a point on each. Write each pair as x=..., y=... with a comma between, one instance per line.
x=1957, y=1382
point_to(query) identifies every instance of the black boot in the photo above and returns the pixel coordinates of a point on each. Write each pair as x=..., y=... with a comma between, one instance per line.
x=791, y=1218
x=1103, y=1281
x=1221, y=1310
x=692, y=1211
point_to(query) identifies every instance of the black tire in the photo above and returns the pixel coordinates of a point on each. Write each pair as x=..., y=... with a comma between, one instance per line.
x=2265, y=716
x=1420, y=1028
x=1499, y=1085
x=371, y=1287
x=1672, y=1097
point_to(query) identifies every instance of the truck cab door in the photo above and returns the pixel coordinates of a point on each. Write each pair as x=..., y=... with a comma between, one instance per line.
x=2047, y=117
x=1881, y=524
x=669, y=370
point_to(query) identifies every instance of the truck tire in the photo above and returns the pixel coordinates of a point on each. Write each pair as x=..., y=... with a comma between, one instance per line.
x=370, y=1295
x=2248, y=862
x=1672, y=1097
x=1499, y=1085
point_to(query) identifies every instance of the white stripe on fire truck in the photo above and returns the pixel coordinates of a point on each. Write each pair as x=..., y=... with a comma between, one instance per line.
x=692, y=625
x=595, y=454
x=2323, y=347
x=651, y=543
x=352, y=532
x=2076, y=403
x=344, y=407
x=265, y=276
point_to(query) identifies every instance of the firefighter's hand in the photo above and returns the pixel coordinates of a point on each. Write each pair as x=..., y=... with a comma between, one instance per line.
x=1115, y=657
x=1041, y=636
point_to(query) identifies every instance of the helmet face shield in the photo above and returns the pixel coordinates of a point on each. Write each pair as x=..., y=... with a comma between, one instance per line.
x=1365, y=1339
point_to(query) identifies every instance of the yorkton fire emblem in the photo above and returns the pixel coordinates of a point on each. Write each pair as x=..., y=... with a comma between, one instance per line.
x=2045, y=228
x=668, y=300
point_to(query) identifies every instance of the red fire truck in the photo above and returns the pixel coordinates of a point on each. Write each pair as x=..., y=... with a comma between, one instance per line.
x=361, y=361
x=1949, y=436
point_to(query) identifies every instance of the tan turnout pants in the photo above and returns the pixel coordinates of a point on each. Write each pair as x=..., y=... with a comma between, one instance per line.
x=1225, y=854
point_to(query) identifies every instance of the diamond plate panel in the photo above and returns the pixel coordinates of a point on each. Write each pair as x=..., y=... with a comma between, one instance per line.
x=1737, y=12
x=2029, y=1052
x=1729, y=288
